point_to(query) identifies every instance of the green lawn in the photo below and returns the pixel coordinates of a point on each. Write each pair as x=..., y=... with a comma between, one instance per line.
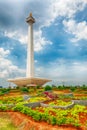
x=5, y=122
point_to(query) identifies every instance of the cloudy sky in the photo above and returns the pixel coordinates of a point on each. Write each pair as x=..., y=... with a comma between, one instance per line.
x=60, y=39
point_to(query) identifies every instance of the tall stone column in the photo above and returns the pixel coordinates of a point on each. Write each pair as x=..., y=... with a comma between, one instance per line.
x=30, y=49
x=29, y=80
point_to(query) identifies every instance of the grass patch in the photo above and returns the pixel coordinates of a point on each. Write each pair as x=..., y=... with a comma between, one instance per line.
x=5, y=122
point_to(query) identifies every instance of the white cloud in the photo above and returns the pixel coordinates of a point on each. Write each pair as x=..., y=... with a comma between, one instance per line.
x=70, y=72
x=6, y=67
x=22, y=38
x=66, y=8
x=17, y=35
x=79, y=30
x=49, y=12
x=10, y=34
x=4, y=53
x=40, y=41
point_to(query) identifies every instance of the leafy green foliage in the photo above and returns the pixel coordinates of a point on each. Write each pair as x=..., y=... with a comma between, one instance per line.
x=37, y=99
x=3, y=108
x=59, y=103
x=4, y=91
x=53, y=120
x=11, y=100
x=61, y=87
x=47, y=88
x=24, y=89
x=60, y=116
x=38, y=86
x=50, y=115
x=17, y=87
x=72, y=89
x=61, y=121
x=84, y=87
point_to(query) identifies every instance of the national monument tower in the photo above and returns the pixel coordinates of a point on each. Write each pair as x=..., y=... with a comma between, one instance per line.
x=29, y=80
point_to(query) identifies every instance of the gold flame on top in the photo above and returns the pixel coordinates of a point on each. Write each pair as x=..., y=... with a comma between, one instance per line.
x=30, y=14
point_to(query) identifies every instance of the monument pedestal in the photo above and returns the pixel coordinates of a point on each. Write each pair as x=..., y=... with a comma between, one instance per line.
x=29, y=81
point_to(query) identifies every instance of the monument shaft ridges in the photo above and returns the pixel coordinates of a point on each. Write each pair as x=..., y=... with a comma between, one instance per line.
x=30, y=48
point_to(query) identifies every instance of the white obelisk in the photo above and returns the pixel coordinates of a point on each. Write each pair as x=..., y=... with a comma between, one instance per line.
x=29, y=79
x=30, y=48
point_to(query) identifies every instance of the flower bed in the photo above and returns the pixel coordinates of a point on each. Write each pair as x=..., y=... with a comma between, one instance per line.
x=69, y=117
x=64, y=118
x=37, y=99
x=9, y=100
x=68, y=97
x=24, y=122
x=59, y=103
x=14, y=100
x=53, y=116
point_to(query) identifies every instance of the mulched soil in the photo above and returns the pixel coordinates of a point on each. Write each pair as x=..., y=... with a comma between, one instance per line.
x=27, y=123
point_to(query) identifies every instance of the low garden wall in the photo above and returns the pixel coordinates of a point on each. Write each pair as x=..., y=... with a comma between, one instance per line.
x=68, y=94
x=42, y=104
x=74, y=102
x=63, y=107
x=80, y=102
x=38, y=104
x=33, y=105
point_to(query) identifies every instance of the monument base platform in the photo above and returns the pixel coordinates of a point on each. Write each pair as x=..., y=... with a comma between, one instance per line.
x=29, y=81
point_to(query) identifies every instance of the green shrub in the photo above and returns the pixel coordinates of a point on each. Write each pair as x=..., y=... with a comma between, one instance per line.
x=45, y=116
x=72, y=89
x=3, y=108
x=84, y=87
x=53, y=120
x=61, y=117
x=38, y=86
x=4, y=91
x=24, y=89
x=17, y=87
x=47, y=88
x=61, y=121
x=1, y=93
x=61, y=87
x=36, y=116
